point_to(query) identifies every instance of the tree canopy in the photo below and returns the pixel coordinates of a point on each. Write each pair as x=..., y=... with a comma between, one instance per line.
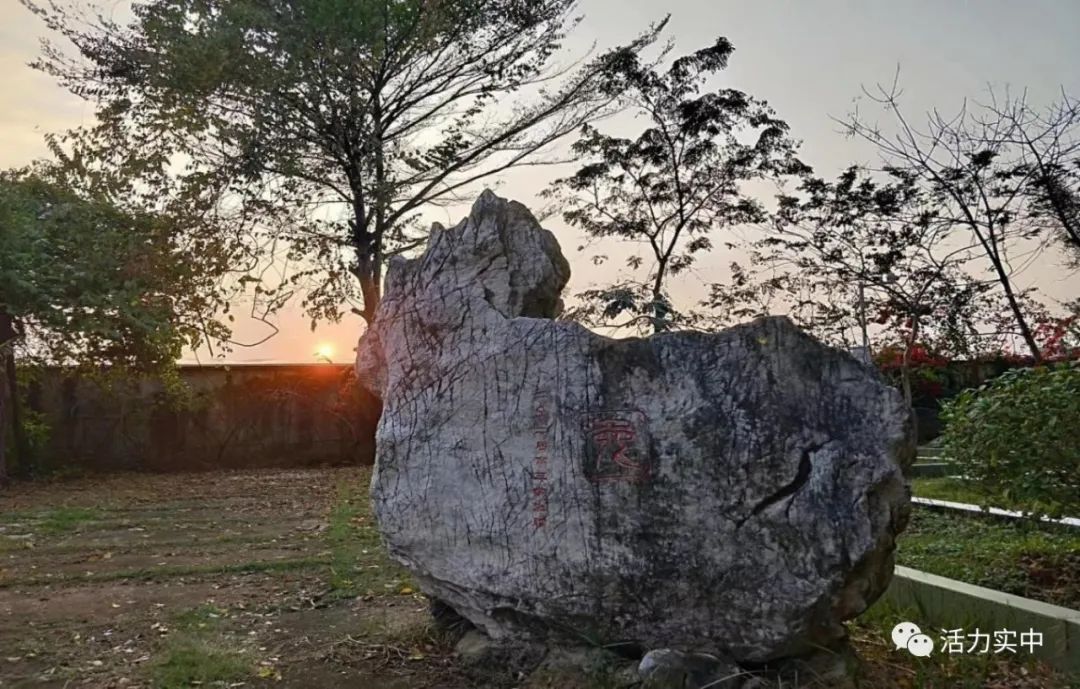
x=333, y=121
x=1001, y=175
x=85, y=282
x=675, y=185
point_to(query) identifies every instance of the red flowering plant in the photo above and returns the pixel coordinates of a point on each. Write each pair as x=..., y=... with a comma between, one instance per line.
x=927, y=369
x=941, y=365
x=1057, y=338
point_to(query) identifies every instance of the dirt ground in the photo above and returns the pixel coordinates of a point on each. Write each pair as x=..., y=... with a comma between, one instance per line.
x=230, y=579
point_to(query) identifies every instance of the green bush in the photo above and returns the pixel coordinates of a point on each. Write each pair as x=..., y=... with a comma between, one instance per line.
x=1017, y=438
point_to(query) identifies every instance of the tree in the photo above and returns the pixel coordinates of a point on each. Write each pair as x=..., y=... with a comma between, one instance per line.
x=998, y=174
x=1048, y=156
x=677, y=184
x=86, y=283
x=333, y=121
x=879, y=251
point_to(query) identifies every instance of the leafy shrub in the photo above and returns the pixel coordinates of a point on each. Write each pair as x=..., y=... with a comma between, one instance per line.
x=1017, y=438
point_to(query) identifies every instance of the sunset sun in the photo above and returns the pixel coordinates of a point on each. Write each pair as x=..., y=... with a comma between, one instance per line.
x=324, y=351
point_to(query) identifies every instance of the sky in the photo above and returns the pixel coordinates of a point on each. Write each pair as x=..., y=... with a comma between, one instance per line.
x=808, y=58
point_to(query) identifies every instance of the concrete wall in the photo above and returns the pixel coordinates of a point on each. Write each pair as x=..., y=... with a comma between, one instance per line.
x=241, y=416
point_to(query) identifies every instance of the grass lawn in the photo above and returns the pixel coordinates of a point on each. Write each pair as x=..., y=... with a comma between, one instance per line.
x=959, y=490
x=1036, y=561
x=953, y=489
x=882, y=666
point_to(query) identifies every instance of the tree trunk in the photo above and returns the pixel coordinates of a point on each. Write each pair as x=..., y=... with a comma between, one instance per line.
x=367, y=273
x=22, y=447
x=3, y=428
x=7, y=393
x=1018, y=314
x=905, y=375
x=366, y=268
x=657, y=292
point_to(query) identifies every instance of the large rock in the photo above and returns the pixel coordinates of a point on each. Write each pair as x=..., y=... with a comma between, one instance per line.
x=736, y=493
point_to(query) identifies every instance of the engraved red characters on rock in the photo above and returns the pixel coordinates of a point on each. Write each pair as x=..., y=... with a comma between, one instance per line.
x=616, y=446
x=540, y=425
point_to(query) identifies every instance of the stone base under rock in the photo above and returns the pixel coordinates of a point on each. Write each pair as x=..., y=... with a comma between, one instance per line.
x=531, y=666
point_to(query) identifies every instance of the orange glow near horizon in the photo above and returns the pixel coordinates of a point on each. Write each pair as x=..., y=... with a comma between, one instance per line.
x=325, y=351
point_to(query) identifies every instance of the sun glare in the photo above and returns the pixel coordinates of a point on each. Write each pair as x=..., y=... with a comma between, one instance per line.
x=325, y=351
